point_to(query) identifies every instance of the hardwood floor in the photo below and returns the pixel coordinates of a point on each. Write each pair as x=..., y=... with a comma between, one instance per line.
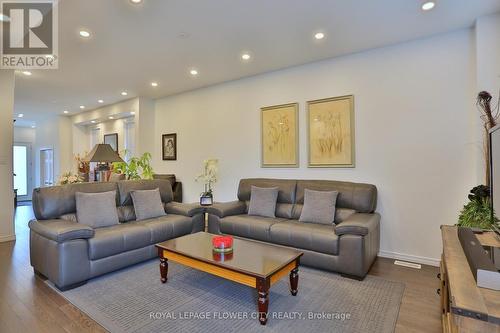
x=27, y=304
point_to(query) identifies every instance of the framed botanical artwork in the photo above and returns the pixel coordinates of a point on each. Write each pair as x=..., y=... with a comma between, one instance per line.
x=280, y=136
x=331, y=132
x=112, y=140
x=169, y=146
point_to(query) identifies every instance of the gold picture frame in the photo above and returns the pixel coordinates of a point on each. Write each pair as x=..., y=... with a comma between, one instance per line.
x=330, y=132
x=280, y=136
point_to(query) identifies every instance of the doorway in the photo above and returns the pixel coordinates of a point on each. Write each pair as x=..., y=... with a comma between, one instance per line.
x=22, y=171
x=46, y=167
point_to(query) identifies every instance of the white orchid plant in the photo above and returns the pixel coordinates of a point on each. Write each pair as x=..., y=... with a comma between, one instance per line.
x=209, y=175
x=69, y=178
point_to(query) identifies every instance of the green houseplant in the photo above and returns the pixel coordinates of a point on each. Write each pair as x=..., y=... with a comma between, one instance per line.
x=478, y=211
x=136, y=168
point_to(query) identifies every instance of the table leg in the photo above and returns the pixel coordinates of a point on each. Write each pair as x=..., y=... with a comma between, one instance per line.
x=294, y=281
x=263, y=301
x=163, y=269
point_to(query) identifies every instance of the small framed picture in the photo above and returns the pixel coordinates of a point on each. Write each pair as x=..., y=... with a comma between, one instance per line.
x=169, y=147
x=112, y=140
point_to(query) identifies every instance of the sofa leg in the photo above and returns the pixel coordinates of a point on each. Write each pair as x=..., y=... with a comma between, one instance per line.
x=352, y=277
x=72, y=286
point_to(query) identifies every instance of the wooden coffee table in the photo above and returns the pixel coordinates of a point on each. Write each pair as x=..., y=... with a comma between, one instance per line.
x=255, y=264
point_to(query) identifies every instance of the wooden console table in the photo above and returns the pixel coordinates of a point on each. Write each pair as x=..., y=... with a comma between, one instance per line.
x=465, y=307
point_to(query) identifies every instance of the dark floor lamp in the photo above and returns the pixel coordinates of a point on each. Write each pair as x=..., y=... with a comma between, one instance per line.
x=103, y=154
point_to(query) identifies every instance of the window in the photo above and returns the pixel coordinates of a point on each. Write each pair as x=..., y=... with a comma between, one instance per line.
x=129, y=139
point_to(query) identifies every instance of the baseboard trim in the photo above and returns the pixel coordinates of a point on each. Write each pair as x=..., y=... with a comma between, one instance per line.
x=7, y=238
x=410, y=258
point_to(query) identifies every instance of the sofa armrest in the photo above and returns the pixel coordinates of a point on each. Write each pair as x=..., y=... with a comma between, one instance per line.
x=184, y=209
x=61, y=230
x=223, y=209
x=358, y=224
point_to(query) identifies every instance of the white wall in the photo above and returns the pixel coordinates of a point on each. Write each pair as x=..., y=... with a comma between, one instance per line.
x=54, y=133
x=7, y=232
x=413, y=105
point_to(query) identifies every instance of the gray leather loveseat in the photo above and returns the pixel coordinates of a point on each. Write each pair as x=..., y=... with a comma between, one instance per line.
x=349, y=246
x=69, y=253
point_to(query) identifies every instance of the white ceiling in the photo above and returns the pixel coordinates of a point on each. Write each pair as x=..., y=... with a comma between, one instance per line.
x=133, y=45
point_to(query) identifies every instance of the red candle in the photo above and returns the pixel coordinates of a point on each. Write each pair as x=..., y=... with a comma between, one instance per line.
x=222, y=242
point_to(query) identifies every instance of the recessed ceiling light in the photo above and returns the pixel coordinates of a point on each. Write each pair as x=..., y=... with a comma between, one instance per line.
x=319, y=35
x=124, y=93
x=100, y=101
x=428, y=5
x=20, y=115
x=82, y=107
x=92, y=121
x=111, y=117
x=27, y=73
x=193, y=72
x=136, y=1
x=84, y=33
x=65, y=111
x=246, y=56
x=154, y=84
x=132, y=113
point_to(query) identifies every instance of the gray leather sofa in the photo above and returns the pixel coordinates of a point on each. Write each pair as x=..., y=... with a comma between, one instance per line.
x=69, y=253
x=349, y=247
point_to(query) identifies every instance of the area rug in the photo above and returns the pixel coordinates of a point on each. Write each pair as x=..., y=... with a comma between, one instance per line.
x=134, y=300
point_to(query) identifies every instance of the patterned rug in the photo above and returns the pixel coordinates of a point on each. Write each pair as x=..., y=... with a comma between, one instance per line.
x=134, y=300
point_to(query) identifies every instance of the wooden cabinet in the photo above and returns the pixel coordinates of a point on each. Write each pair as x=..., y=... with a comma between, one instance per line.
x=464, y=306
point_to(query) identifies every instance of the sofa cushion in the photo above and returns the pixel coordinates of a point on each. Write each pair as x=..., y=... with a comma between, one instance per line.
x=117, y=239
x=96, y=209
x=319, y=207
x=357, y=196
x=255, y=227
x=54, y=201
x=166, y=227
x=263, y=201
x=147, y=204
x=127, y=186
x=308, y=236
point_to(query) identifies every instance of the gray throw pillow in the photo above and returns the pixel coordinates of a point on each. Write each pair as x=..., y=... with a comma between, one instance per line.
x=319, y=206
x=96, y=209
x=147, y=204
x=263, y=201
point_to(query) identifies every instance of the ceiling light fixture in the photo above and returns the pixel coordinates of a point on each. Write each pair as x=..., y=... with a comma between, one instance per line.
x=65, y=111
x=100, y=101
x=428, y=5
x=154, y=84
x=246, y=56
x=33, y=126
x=27, y=73
x=193, y=72
x=84, y=33
x=136, y=2
x=111, y=117
x=319, y=35
x=132, y=113
x=82, y=107
x=124, y=93
x=20, y=115
x=92, y=121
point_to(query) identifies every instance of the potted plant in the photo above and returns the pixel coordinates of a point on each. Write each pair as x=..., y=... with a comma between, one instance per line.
x=477, y=213
x=209, y=177
x=136, y=168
